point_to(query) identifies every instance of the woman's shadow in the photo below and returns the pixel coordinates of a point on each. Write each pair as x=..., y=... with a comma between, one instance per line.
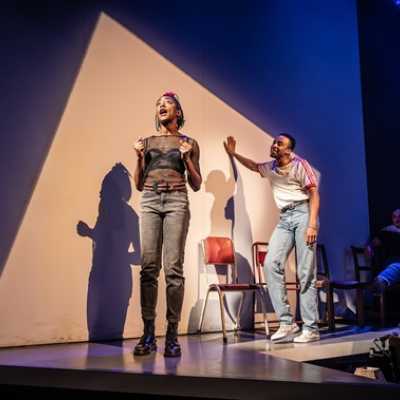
x=116, y=232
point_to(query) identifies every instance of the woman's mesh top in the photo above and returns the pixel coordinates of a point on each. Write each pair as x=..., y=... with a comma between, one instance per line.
x=163, y=163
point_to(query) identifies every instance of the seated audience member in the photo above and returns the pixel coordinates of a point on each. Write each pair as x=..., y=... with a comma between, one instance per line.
x=384, y=248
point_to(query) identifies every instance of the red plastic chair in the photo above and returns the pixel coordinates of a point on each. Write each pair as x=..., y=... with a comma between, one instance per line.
x=220, y=251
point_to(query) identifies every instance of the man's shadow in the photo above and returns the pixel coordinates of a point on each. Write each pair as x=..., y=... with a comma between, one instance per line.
x=236, y=212
x=115, y=233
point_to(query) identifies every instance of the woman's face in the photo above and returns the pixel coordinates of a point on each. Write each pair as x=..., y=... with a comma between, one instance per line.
x=166, y=110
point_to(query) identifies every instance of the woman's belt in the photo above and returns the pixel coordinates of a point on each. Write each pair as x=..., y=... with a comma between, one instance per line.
x=165, y=187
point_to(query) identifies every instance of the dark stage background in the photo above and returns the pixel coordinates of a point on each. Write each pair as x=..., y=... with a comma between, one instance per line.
x=379, y=32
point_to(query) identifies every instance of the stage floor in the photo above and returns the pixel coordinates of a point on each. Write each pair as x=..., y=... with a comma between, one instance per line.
x=247, y=367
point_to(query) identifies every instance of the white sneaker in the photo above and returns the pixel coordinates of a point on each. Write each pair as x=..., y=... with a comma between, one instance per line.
x=307, y=336
x=285, y=332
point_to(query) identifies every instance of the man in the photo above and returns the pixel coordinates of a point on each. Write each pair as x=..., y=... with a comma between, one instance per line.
x=387, y=245
x=295, y=191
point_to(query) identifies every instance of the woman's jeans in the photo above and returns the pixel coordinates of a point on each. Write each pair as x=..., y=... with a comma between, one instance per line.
x=164, y=224
x=290, y=232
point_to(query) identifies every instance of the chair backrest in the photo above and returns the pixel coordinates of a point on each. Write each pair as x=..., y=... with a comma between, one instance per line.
x=359, y=267
x=219, y=251
x=259, y=251
x=322, y=262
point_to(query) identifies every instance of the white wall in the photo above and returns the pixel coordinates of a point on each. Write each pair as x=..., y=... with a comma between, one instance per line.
x=55, y=287
x=44, y=287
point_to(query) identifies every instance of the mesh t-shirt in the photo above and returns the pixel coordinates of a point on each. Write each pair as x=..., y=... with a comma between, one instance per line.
x=163, y=161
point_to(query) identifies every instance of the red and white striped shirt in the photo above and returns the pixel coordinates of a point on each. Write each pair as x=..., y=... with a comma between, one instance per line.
x=290, y=183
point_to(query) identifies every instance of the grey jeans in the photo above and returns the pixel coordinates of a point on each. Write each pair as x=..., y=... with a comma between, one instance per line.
x=290, y=232
x=164, y=225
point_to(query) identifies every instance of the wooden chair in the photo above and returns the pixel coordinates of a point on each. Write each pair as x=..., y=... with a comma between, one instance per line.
x=322, y=282
x=220, y=251
x=363, y=266
x=333, y=284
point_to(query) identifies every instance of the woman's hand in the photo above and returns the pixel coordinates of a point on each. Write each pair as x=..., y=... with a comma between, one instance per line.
x=83, y=229
x=185, y=148
x=139, y=147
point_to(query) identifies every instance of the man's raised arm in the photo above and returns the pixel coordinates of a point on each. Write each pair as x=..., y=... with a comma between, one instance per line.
x=230, y=147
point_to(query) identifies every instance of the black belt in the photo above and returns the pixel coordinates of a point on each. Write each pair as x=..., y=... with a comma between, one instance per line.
x=293, y=205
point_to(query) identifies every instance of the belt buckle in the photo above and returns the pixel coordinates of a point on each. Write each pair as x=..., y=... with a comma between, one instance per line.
x=155, y=187
x=290, y=206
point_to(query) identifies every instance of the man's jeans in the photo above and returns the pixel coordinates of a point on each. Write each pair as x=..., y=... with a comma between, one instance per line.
x=290, y=232
x=164, y=225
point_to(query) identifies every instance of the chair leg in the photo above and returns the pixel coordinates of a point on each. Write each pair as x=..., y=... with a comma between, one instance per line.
x=324, y=319
x=228, y=312
x=382, y=313
x=330, y=309
x=360, y=307
x=237, y=322
x=221, y=306
x=203, y=311
x=260, y=293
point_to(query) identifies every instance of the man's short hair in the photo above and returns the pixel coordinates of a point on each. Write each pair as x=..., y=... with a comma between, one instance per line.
x=292, y=140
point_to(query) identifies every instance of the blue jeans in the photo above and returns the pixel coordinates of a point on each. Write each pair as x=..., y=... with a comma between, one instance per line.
x=391, y=274
x=290, y=232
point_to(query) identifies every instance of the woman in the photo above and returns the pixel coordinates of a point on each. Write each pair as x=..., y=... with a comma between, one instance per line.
x=165, y=161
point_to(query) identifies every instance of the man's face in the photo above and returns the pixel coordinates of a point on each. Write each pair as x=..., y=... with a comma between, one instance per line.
x=396, y=218
x=166, y=110
x=280, y=147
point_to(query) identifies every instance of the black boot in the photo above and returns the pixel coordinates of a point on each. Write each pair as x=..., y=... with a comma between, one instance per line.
x=172, y=347
x=147, y=342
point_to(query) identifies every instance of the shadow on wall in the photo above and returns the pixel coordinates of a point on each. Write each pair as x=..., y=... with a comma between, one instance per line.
x=110, y=280
x=236, y=210
x=222, y=190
